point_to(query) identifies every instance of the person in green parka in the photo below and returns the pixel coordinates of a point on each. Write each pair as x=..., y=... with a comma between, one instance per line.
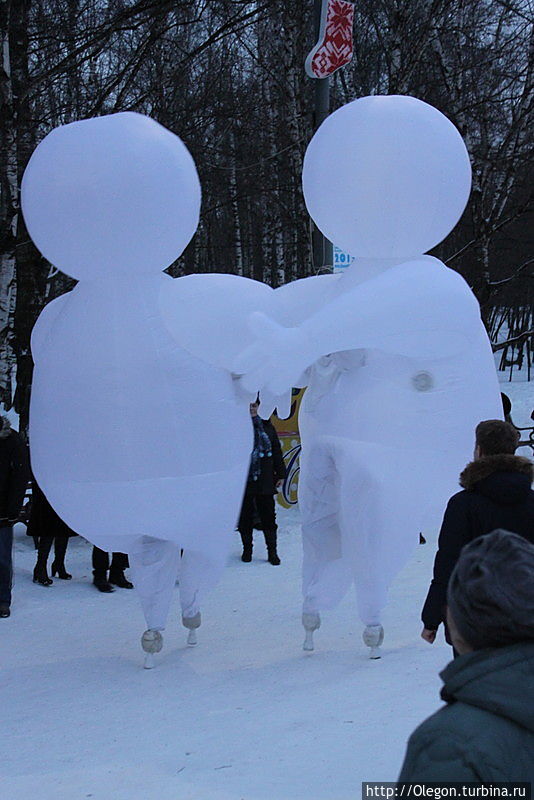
x=485, y=733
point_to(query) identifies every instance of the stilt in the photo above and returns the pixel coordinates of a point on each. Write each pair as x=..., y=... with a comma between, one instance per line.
x=373, y=636
x=192, y=638
x=192, y=623
x=311, y=623
x=149, y=661
x=151, y=642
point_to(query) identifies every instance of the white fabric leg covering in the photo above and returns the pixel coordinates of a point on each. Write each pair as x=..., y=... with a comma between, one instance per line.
x=154, y=567
x=191, y=573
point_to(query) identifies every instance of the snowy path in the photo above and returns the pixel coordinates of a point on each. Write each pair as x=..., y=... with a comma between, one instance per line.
x=246, y=714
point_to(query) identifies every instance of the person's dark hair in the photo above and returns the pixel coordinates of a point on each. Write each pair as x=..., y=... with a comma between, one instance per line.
x=491, y=591
x=493, y=437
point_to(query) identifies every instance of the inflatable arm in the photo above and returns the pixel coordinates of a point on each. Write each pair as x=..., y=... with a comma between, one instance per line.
x=207, y=314
x=419, y=309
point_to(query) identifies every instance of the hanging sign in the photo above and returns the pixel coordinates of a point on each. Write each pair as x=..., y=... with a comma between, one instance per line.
x=334, y=47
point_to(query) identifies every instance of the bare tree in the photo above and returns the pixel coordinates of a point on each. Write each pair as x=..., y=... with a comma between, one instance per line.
x=227, y=76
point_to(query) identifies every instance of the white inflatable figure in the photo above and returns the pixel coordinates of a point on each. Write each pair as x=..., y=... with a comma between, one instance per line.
x=138, y=445
x=397, y=362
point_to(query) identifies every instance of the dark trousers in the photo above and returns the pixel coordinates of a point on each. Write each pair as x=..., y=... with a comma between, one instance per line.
x=265, y=507
x=119, y=562
x=60, y=548
x=264, y=504
x=6, y=564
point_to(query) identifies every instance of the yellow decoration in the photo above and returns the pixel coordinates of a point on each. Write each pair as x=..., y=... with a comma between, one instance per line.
x=288, y=433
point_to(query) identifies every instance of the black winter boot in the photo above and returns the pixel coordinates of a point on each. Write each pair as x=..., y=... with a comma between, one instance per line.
x=101, y=582
x=118, y=578
x=270, y=541
x=246, y=538
x=58, y=566
x=40, y=573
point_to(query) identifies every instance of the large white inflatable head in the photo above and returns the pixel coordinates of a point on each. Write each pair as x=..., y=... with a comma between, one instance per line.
x=113, y=195
x=386, y=177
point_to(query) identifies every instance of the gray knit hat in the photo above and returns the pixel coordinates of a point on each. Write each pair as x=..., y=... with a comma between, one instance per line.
x=491, y=590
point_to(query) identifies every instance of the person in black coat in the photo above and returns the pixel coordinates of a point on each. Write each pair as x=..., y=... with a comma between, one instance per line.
x=14, y=477
x=266, y=473
x=45, y=526
x=496, y=493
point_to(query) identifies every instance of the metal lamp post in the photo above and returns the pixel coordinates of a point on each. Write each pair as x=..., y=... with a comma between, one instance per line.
x=333, y=21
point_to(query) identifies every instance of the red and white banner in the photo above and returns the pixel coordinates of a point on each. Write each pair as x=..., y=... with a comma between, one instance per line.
x=334, y=48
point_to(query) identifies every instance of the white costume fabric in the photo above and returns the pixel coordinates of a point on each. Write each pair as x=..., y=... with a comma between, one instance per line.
x=398, y=366
x=138, y=445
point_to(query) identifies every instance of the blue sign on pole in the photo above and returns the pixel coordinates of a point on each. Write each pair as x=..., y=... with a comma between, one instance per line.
x=341, y=259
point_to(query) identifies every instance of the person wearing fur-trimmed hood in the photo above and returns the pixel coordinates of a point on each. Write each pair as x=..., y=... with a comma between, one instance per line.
x=496, y=493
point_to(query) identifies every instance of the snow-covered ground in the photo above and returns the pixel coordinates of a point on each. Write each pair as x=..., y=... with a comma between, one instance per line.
x=246, y=715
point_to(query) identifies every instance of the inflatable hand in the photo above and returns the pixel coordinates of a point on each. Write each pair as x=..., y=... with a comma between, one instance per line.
x=207, y=315
x=279, y=403
x=275, y=360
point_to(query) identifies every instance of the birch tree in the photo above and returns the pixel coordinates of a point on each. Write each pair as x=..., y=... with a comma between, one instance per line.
x=227, y=76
